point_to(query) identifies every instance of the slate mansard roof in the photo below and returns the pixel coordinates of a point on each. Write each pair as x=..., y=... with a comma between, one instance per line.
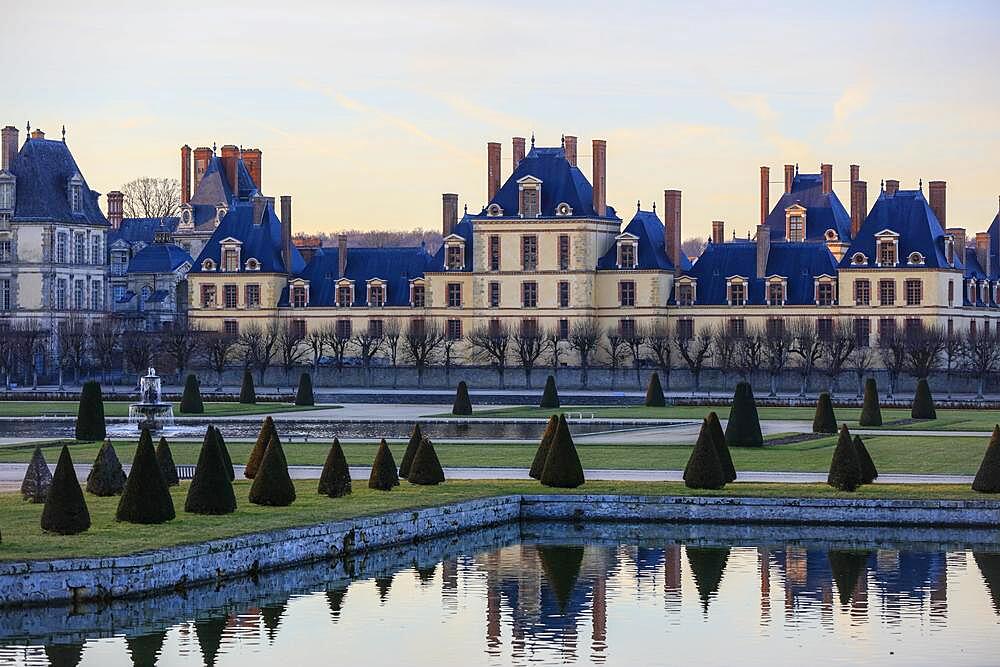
x=259, y=240
x=651, y=253
x=141, y=230
x=159, y=258
x=43, y=169
x=823, y=211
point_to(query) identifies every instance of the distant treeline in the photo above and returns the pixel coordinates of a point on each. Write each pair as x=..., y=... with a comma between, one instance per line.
x=357, y=238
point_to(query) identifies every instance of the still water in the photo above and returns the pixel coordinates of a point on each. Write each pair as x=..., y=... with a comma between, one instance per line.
x=562, y=594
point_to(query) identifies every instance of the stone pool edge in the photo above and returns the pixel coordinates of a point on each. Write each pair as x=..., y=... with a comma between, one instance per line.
x=177, y=568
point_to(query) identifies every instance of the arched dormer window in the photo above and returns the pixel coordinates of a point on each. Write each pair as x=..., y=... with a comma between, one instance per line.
x=208, y=265
x=75, y=194
x=220, y=212
x=795, y=223
x=563, y=210
x=915, y=259
x=628, y=251
x=252, y=264
x=859, y=259
x=494, y=211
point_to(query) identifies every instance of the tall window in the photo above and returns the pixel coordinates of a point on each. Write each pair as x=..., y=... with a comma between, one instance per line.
x=626, y=328
x=5, y=296
x=5, y=251
x=972, y=328
x=494, y=250
x=951, y=292
x=529, y=253
x=343, y=329
x=824, y=328
x=454, y=329
x=737, y=294
x=95, y=250
x=62, y=241
x=229, y=296
x=96, y=295
x=776, y=294
x=494, y=295
x=231, y=259
x=454, y=295
x=529, y=328
x=118, y=293
x=80, y=248
x=862, y=331
x=456, y=257
x=529, y=294
x=78, y=295
x=913, y=290
x=563, y=294
x=886, y=328
x=887, y=253
x=119, y=263
x=796, y=228
x=529, y=202
x=626, y=293
x=375, y=328
x=685, y=295
x=298, y=329
x=862, y=293
x=61, y=287
x=563, y=329
x=298, y=296
x=343, y=296
x=775, y=327
x=231, y=327
x=914, y=325
x=887, y=292
x=737, y=326
x=824, y=294
x=376, y=296
x=685, y=328
x=419, y=296
x=627, y=259
x=253, y=295
x=563, y=252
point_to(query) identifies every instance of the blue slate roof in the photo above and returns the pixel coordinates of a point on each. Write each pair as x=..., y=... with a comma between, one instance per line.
x=799, y=263
x=213, y=188
x=645, y=225
x=908, y=214
x=994, y=232
x=43, y=168
x=159, y=258
x=260, y=241
x=561, y=183
x=823, y=211
x=158, y=296
x=135, y=230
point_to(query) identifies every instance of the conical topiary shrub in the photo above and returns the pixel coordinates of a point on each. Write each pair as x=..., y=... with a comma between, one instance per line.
x=271, y=615
x=64, y=655
x=304, y=395
x=146, y=498
x=654, y=392
x=209, y=633
x=561, y=566
x=550, y=395
x=743, y=427
x=703, y=470
x=272, y=485
x=335, y=480
x=165, y=459
x=923, y=402
x=267, y=429
x=721, y=448
x=191, y=403
x=65, y=510
x=145, y=649
x=868, y=471
x=462, y=405
x=383, y=584
x=106, y=476
x=426, y=469
x=562, y=464
x=383, y=476
x=708, y=565
x=824, y=421
x=988, y=476
x=845, y=469
x=211, y=490
x=416, y=437
x=335, y=601
x=226, y=459
x=871, y=413
x=37, y=480
x=247, y=392
x=847, y=568
x=542, y=453
x=989, y=567
x=90, y=416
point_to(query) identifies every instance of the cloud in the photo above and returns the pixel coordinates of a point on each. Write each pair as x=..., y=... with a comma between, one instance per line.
x=851, y=101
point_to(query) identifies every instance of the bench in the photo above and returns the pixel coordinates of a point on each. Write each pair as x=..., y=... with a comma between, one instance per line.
x=185, y=471
x=58, y=415
x=579, y=416
x=295, y=438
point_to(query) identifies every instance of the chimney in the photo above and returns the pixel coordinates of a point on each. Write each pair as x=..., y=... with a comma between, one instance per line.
x=763, y=249
x=789, y=176
x=718, y=231
x=185, y=174
x=116, y=208
x=492, y=170
x=600, y=178
x=251, y=160
x=983, y=251
x=672, y=227
x=826, y=170
x=859, y=206
x=449, y=213
x=286, y=232
x=958, y=242
x=855, y=173
x=8, y=140
x=891, y=187
x=259, y=203
x=230, y=154
x=937, y=191
x=765, y=193
x=341, y=255
x=518, y=150
x=202, y=156
x=37, y=134
x=569, y=148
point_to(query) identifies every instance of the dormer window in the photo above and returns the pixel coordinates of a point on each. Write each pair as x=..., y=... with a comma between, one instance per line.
x=454, y=253
x=418, y=293
x=76, y=194
x=685, y=295
x=187, y=217
x=776, y=292
x=736, y=290
x=7, y=184
x=253, y=264
x=626, y=255
x=494, y=211
x=530, y=197
x=345, y=293
x=220, y=212
x=376, y=293
x=949, y=250
x=208, y=265
x=795, y=223
x=859, y=259
x=887, y=244
x=563, y=210
x=826, y=291
x=830, y=236
x=915, y=259
x=299, y=296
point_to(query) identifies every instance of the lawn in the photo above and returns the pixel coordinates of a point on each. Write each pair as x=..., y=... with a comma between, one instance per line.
x=24, y=539
x=120, y=408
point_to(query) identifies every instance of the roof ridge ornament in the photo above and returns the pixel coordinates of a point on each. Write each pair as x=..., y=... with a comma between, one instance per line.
x=213, y=148
x=532, y=138
x=64, y=133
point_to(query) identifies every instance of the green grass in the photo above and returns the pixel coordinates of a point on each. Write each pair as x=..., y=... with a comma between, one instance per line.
x=898, y=454
x=24, y=539
x=120, y=408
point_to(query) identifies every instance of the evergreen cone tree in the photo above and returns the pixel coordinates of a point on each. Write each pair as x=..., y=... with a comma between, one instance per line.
x=383, y=476
x=561, y=566
x=335, y=480
x=146, y=498
x=90, y=416
x=989, y=567
x=37, y=480
x=211, y=490
x=988, y=477
x=923, y=402
x=562, y=464
x=550, y=395
x=721, y=448
x=209, y=634
x=416, y=437
x=426, y=469
x=704, y=470
x=708, y=565
x=871, y=413
x=538, y=463
x=847, y=568
x=868, y=471
x=824, y=421
x=247, y=392
x=65, y=510
x=191, y=403
x=106, y=476
x=257, y=453
x=64, y=655
x=335, y=601
x=654, y=392
x=845, y=469
x=272, y=484
x=304, y=395
x=743, y=427
x=462, y=405
x=145, y=649
x=165, y=459
x=226, y=459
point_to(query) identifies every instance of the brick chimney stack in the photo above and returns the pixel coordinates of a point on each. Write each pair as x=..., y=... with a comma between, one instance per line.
x=185, y=174
x=789, y=176
x=855, y=177
x=891, y=187
x=983, y=251
x=937, y=191
x=763, y=249
x=672, y=227
x=8, y=147
x=449, y=213
x=230, y=155
x=826, y=171
x=958, y=241
x=859, y=206
x=765, y=193
x=718, y=231
x=600, y=178
x=855, y=173
x=341, y=255
x=116, y=208
x=37, y=134
x=202, y=156
x=518, y=154
x=492, y=170
x=569, y=147
x=286, y=232
x=252, y=161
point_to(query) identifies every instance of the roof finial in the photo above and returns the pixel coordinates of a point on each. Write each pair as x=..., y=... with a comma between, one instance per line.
x=796, y=168
x=883, y=185
x=921, y=185
x=562, y=141
x=638, y=205
x=28, y=130
x=532, y=138
x=64, y=133
x=467, y=208
x=213, y=148
x=654, y=207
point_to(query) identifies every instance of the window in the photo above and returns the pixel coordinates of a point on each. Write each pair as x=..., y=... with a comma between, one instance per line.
x=419, y=296
x=5, y=251
x=824, y=328
x=343, y=329
x=529, y=328
x=563, y=294
x=252, y=296
x=96, y=295
x=862, y=293
x=529, y=253
x=119, y=263
x=61, y=287
x=118, y=293
x=626, y=256
x=913, y=290
x=563, y=252
x=563, y=329
x=375, y=328
x=685, y=294
x=7, y=194
x=529, y=202
x=685, y=328
x=529, y=294
x=231, y=328
x=61, y=242
x=494, y=250
x=145, y=293
x=494, y=295
x=737, y=326
x=376, y=296
x=796, y=228
x=80, y=248
x=454, y=295
x=824, y=294
x=454, y=329
x=862, y=331
x=343, y=296
x=417, y=327
x=887, y=253
x=775, y=327
x=913, y=326
x=230, y=259
x=5, y=297
x=230, y=296
x=626, y=328
x=915, y=258
x=972, y=328
x=298, y=328
x=887, y=292
x=76, y=194
x=299, y=296
x=455, y=257
x=886, y=328
x=494, y=327
x=737, y=294
x=775, y=294
x=95, y=250
x=626, y=293
x=253, y=265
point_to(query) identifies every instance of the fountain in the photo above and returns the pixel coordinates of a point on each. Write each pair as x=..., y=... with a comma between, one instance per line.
x=150, y=412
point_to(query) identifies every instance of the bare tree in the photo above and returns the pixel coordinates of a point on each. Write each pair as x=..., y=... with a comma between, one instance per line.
x=139, y=347
x=807, y=348
x=31, y=338
x=8, y=351
x=981, y=356
x=149, y=197
x=368, y=342
x=290, y=347
x=393, y=332
x=585, y=337
x=338, y=340
x=693, y=245
x=105, y=341
x=725, y=344
x=420, y=345
x=635, y=339
x=74, y=348
x=892, y=350
x=777, y=350
x=749, y=354
x=659, y=342
x=259, y=345
x=924, y=347
x=528, y=347
x=218, y=349
x=835, y=350
x=180, y=343
x=615, y=349
x=317, y=340
x=554, y=345
x=490, y=343
x=695, y=350
x=448, y=354
x=951, y=356
x=860, y=362
x=380, y=238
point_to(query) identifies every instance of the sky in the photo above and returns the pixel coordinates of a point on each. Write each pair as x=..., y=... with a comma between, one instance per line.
x=367, y=112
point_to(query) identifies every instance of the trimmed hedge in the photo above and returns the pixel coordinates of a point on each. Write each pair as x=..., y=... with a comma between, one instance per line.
x=247, y=392
x=871, y=412
x=335, y=480
x=416, y=437
x=721, y=448
x=146, y=498
x=562, y=463
x=257, y=453
x=304, y=395
x=743, y=427
x=708, y=565
x=847, y=568
x=226, y=458
x=550, y=396
x=90, y=415
x=868, y=471
x=988, y=476
x=703, y=470
x=538, y=463
x=989, y=567
x=824, y=420
x=845, y=469
x=383, y=475
x=191, y=403
x=37, y=479
x=463, y=404
x=272, y=485
x=211, y=489
x=209, y=634
x=65, y=510
x=923, y=402
x=106, y=478
x=335, y=601
x=426, y=469
x=561, y=566
x=145, y=649
x=165, y=459
x=654, y=392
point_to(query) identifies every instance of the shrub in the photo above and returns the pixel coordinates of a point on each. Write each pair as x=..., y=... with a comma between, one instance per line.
x=247, y=393
x=721, y=448
x=847, y=568
x=65, y=510
x=226, y=458
x=561, y=566
x=106, y=476
x=383, y=584
x=335, y=480
x=335, y=601
x=654, y=392
x=211, y=489
x=416, y=437
x=304, y=395
x=426, y=469
x=703, y=470
x=272, y=484
x=868, y=471
x=90, y=416
x=165, y=459
x=708, y=565
x=562, y=463
x=37, y=480
x=64, y=655
x=271, y=615
x=383, y=476
x=462, y=405
x=988, y=477
x=191, y=402
x=824, y=421
x=550, y=396
x=145, y=649
x=209, y=633
x=923, y=402
x=845, y=470
x=871, y=413
x=743, y=427
x=538, y=464
x=989, y=567
x=146, y=498
x=267, y=429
